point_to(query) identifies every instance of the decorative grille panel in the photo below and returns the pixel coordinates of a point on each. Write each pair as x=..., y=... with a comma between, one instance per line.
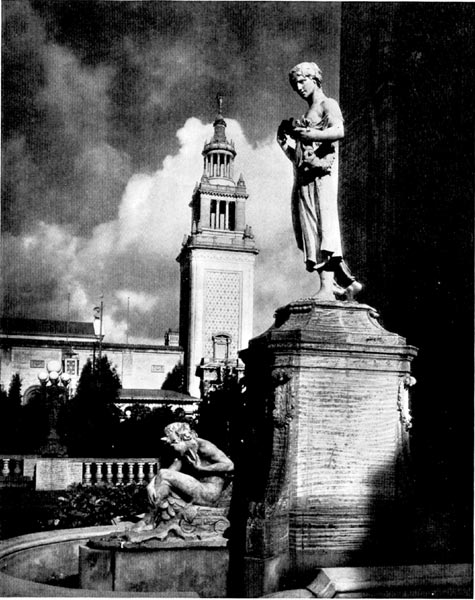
x=222, y=312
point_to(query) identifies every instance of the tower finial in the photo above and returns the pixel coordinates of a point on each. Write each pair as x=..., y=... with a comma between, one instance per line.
x=219, y=98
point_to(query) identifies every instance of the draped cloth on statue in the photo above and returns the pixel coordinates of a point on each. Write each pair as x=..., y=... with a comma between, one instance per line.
x=314, y=197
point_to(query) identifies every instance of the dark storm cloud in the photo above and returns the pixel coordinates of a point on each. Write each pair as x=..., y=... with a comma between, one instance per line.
x=82, y=76
x=58, y=166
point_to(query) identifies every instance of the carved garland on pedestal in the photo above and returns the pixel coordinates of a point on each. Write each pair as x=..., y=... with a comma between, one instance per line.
x=276, y=503
x=283, y=411
x=403, y=407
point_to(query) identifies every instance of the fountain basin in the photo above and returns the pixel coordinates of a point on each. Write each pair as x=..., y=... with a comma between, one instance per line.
x=46, y=563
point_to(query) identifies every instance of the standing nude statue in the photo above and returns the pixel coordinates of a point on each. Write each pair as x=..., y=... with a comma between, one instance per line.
x=314, y=153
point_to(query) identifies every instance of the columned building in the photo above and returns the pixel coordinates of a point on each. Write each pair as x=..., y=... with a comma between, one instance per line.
x=217, y=265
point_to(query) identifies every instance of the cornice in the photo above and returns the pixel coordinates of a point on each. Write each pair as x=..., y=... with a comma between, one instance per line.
x=222, y=190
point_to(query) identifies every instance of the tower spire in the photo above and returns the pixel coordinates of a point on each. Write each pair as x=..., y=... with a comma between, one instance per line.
x=219, y=123
x=219, y=152
x=219, y=99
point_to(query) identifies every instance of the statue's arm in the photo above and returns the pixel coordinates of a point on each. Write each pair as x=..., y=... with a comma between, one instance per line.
x=176, y=465
x=333, y=132
x=151, y=487
x=288, y=151
x=217, y=461
x=283, y=141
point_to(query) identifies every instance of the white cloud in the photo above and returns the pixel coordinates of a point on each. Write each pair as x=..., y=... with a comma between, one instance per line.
x=134, y=255
x=141, y=301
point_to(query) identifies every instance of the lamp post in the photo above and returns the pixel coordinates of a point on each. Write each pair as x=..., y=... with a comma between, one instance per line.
x=54, y=385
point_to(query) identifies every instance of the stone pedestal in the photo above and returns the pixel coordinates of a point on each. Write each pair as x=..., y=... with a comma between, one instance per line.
x=327, y=414
x=181, y=555
x=194, y=567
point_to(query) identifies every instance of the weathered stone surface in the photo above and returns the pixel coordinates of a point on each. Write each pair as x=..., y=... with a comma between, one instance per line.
x=203, y=570
x=196, y=567
x=57, y=473
x=390, y=581
x=95, y=569
x=325, y=398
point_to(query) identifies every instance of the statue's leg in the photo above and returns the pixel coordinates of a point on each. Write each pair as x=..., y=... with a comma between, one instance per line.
x=326, y=286
x=185, y=485
x=326, y=274
x=346, y=280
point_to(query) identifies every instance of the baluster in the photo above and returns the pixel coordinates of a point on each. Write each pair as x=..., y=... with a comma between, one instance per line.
x=129, y=472
x=152, y=471
x=96, y=477
x=6, y=467
x=87, y=473
x=108, y=474
x=140, y=473
x=120, y=473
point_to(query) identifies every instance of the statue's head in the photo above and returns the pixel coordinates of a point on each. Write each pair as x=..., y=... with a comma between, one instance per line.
x=179, y=435
x=305, y=70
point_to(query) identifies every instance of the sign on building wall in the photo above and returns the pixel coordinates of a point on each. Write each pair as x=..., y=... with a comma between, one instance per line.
x=37, y=364
x=158, y=369
x=32, y=358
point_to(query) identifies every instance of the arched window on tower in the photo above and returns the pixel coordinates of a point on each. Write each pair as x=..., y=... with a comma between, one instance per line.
x=221, y=343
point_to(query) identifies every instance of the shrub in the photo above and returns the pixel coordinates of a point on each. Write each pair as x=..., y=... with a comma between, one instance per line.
x=86, y=506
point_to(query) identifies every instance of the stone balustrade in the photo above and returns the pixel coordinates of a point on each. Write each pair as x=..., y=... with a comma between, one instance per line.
x=118, y=470
x=59, y=473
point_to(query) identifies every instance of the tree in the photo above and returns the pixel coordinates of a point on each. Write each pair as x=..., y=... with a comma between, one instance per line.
x=5, y=426
x=34, y=422
x=140, y=432
x=11, y=414
x=218, y=413
x=90, y=423
x=175, y=379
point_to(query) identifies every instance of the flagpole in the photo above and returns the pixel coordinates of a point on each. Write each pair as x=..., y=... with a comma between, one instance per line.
x=127, y=328
x=100, y=332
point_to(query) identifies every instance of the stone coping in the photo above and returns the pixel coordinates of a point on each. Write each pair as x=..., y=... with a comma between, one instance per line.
x=423, y=580
x=14, y=587
x=149, y=545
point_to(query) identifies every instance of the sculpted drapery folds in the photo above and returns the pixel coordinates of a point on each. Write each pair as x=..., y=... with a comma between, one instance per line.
x=311, y=143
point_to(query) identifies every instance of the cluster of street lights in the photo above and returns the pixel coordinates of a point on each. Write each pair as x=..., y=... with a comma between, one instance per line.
x=55, y=385
x=53, y=375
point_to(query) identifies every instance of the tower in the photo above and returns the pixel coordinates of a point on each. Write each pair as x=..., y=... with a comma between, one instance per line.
x=216, y=263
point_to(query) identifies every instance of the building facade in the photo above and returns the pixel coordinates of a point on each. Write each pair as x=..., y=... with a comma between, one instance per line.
x=217, y=264
x=27, y=345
